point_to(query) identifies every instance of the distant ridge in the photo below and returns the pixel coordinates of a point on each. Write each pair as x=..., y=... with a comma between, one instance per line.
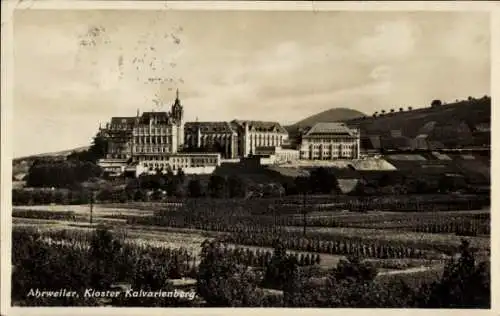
x=331, y=115
x=62, y=153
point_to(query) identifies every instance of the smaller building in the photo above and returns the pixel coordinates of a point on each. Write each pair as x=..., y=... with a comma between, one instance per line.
x=253, y=134
x=330, y=141
x=113, y=166
x=190, y=163
x=217, y=137
x=278, y=154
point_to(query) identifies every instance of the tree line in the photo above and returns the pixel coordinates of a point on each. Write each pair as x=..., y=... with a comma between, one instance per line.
x=224, y=280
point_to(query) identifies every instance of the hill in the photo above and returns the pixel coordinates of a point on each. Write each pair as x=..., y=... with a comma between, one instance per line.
x=21, y=165
x=62, y=153
x=461, y=123
x=331, y=115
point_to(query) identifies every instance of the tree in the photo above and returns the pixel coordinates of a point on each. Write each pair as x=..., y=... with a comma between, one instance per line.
x=436, y=103
x=217, y=186
x=280, y=269
x=98, y=149
x=451, y=183
x=104, y=248
x=194, y=188
x=353, y=269
x=61, y=174
x=401, y=110
x=224, y=283
x=171, y=182
x=463, y=284
x=375, y=114
x=410, y=108
x=181, y=176
x=351, y=284
x=303, y=185
x=323, y=181
x=392, y=110
x=236, y=186
x=383, y=111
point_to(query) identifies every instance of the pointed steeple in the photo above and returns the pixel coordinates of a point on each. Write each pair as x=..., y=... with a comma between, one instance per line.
x=177, y=110
x=137, y=112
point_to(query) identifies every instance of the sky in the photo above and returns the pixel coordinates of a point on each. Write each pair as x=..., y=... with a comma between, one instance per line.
x=74, y=69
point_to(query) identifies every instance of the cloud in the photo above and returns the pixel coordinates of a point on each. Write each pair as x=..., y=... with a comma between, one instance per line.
x=389, y=41
x=268, y=66
x=382, y=72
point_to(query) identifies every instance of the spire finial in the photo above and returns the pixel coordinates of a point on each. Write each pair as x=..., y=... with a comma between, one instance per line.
x=177, y=94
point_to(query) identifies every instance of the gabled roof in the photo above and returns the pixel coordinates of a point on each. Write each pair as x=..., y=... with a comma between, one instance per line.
x=122, y=120
x=208, y=127
x=259, y=126
x=160, y=117
x=395, y=142
x=325, y=128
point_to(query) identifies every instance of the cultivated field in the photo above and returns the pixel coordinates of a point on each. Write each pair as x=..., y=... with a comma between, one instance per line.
x=390, y=230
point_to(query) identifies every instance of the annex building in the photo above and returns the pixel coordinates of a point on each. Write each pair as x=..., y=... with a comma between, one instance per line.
x=330, y=141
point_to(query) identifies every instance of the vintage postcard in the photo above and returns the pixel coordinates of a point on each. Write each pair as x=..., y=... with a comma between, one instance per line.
x=195, y=155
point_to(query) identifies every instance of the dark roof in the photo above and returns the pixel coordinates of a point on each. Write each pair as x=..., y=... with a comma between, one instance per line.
x=369, y=142
x=161, y=117
x=259, y=126
x=122, y=120
x=424, y=166
x=208, y=127
x=476, y=171
x=395, y=142
x=336, y=128
x=375, y=140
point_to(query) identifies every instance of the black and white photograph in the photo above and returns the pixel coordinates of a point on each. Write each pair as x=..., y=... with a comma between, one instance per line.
x=172, y=155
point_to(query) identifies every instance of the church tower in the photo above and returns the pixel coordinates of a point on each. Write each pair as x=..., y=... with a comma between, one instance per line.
x=178, y=118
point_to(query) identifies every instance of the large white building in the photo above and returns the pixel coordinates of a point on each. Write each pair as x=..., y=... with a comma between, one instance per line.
x=330, y=141
x=147, y=135
x=151, y=141
x=254, y=134
x=235, y=139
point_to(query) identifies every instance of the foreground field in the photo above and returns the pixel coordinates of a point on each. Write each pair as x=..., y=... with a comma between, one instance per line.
x=182, y=233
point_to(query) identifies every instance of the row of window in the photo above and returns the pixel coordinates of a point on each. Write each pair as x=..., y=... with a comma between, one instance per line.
x=164, y=166
x=327, y=158
x=147, y=149
x=335, y=152
x=152, y=140
x=332, y=140
x=152, y=131
x=214, y=137
x=332, y=148
x=116, y=156
x=183, y=160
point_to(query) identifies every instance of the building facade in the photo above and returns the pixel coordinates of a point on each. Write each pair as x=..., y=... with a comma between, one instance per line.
x=278, y=154
x=147, y=136
x=218, y=137
x=154, y=141
x=330, y=141
x=254, y=134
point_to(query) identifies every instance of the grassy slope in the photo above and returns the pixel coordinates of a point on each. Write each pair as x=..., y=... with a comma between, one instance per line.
x=410, y=122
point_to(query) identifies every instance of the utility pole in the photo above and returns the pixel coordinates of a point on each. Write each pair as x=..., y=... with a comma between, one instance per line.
x=304, y=212
x=91, y=205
